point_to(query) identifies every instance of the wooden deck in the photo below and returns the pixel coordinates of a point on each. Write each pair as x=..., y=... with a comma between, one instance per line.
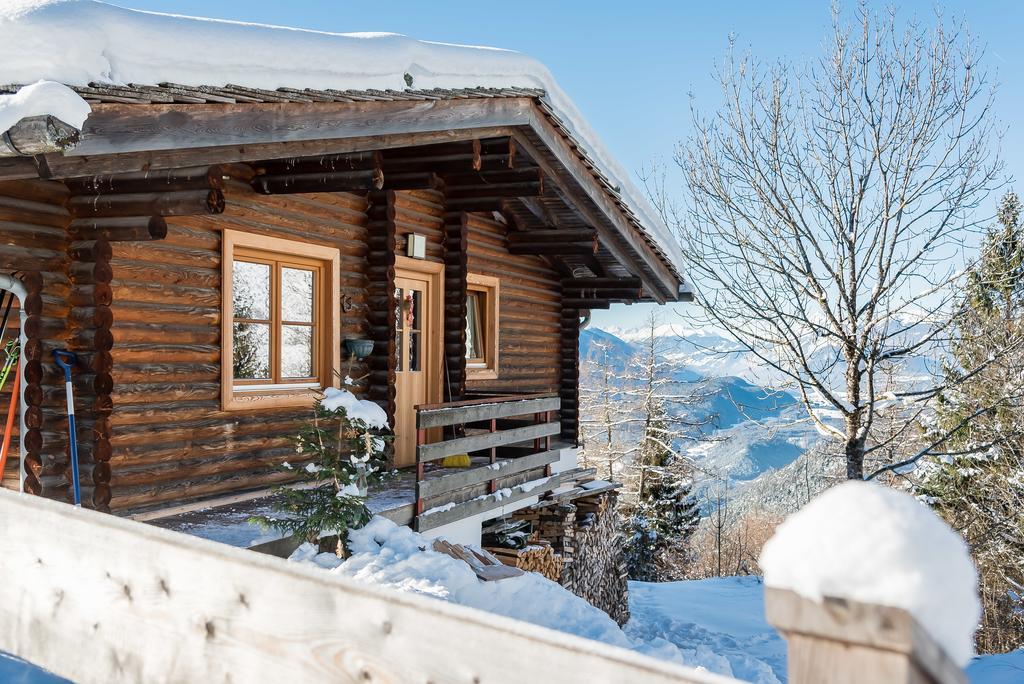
x=511, y=460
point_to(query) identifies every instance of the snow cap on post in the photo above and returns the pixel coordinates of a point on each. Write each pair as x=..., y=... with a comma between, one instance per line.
x=872, y=544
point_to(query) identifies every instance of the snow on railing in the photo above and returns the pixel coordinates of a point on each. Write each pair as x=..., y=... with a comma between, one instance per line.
x=868, y=585
x=97, y=598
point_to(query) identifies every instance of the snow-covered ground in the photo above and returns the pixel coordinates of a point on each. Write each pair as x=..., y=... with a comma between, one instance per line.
x=717, y=622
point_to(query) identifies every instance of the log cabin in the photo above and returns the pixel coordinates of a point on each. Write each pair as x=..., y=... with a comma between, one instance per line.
x=217, y=254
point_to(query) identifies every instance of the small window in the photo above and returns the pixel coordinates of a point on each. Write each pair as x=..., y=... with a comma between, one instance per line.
x=280, y=337
x=481, y=327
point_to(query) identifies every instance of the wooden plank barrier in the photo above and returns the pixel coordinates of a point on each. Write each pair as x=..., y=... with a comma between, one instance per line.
x=96, y=598
x=847, y=642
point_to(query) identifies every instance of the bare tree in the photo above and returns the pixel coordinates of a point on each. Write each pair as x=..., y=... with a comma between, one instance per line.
x=829, y=212
x=602, y=413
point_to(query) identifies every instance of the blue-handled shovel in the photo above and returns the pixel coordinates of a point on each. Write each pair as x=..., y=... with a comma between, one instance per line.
x=66, y=360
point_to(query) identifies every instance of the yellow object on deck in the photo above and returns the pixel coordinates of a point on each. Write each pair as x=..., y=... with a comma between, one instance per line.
x=456, y=461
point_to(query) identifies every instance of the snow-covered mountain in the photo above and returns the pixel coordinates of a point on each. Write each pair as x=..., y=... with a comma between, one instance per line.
x=750, y=429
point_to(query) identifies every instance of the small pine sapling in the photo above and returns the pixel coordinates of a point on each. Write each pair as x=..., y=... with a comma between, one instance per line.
x=346, y=453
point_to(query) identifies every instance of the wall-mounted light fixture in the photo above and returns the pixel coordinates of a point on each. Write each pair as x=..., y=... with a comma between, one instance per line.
x=416, y=246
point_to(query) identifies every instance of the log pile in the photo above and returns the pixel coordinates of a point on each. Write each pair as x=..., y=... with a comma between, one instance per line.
x=585, y=535
x=485, y=565
x=538, y=557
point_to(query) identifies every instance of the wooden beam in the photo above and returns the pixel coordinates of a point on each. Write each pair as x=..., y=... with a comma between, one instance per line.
x=179, y=203
x=120, y=129
x=553, y=248
x=356, y=161
x=586, y=303
x=585, y=195
x=435, y=486
x=59, y=166
x=130, y=228
x=489, y=502
x=38, y=135
x=463, y=445
x=482, y=189
x=524, y=174
x=599, y=283
x=551, y=236
x=169, y=180
x=18, y=168
x=344, y=181
x=471, y=411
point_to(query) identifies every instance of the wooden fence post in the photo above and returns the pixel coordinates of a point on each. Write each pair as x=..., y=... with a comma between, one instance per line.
x=846, y=642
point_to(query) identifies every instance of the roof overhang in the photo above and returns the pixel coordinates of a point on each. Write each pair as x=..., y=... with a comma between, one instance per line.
x=129, y=136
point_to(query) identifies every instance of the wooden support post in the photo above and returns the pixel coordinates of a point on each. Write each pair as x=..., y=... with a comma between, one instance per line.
x=421, y=438
x=493, y=485
x=844, y=642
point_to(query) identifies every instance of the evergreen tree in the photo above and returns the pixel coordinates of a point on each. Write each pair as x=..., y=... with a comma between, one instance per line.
x=978, y=485
x=660, y=509
x=346, y=454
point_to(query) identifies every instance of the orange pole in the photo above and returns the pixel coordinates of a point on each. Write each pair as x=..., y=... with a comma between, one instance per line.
x=11, y=412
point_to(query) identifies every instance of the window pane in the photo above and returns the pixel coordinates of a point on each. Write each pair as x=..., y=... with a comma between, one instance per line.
x=473, y=341
x=296, y=351
x=416, y=322
x=411, y=309
x=250, y=289
x=414, y=351
x=400, y=298
x=296, y=295
x=251, y=351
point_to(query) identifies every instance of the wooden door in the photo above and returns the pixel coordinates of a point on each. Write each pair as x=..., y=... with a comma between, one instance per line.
x=418, y=347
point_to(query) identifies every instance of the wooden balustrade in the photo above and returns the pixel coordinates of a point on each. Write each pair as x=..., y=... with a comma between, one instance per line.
x=515, y=452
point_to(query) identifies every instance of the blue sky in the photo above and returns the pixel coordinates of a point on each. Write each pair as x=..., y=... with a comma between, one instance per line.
x=630, y=67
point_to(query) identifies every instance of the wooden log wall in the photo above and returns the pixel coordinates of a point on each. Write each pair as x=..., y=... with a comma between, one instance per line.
x=530, y=329
x=395, y=214
x=34, y=248
x=456, y=266
x=569, y=385
x=9, y=477
x=170, y=441
x=380, y=294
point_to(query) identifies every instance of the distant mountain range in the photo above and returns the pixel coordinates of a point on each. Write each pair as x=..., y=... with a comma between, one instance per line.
x=750, y=429
x=759, y=441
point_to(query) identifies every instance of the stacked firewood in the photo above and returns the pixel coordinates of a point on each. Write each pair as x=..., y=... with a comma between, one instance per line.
x=537, y=557
x=585, y=535
x=598, y=571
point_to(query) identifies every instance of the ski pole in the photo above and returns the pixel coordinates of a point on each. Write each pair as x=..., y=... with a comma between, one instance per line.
x=66, y=359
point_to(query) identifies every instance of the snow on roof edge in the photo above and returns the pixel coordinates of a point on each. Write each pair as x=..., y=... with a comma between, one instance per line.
x=77, y=42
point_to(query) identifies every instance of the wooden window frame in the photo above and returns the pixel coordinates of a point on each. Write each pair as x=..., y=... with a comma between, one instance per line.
x=487, y=367
x=326, y=261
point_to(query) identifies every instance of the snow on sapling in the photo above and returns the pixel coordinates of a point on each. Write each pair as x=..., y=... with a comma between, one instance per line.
x=345, y=447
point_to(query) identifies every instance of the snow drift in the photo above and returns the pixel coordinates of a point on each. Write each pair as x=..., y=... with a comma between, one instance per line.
x=869, y=543
x=76, y=42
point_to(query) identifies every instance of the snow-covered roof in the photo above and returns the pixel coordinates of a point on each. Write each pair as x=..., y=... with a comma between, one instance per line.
x=80, y=42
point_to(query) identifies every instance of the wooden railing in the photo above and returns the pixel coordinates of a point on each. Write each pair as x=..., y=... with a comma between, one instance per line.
x=845, y=642
x=159, y=606
x=97, y=598
x=510, y=439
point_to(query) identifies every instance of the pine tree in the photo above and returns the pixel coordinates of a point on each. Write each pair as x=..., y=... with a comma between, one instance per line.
x=345, y=455
x=660, y=509
x=978, y=486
